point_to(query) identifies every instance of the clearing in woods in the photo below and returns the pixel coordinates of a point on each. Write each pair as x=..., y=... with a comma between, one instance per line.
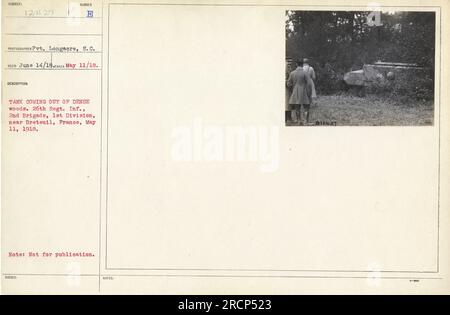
x=347, y=110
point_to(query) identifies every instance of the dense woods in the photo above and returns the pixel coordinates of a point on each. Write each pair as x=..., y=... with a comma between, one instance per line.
x=340, y=41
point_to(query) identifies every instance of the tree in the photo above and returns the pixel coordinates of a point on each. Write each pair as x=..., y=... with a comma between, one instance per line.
x=341, y=41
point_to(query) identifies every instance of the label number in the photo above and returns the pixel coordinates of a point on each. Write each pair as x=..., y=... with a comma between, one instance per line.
x=374, y=18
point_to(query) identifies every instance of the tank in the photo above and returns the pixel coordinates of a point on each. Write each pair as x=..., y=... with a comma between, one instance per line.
x=385, y=73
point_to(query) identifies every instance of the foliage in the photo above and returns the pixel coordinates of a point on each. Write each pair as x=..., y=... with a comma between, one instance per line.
x=417, y=87
x=342, y=41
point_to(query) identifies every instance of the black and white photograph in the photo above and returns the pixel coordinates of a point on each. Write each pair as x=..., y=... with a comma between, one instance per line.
x=360, y=68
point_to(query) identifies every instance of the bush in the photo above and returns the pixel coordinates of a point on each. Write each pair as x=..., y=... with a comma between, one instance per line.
x=415, y=87
x=329, y=80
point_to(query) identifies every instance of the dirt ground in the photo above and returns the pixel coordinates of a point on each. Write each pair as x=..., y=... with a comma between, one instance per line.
x=347, y=110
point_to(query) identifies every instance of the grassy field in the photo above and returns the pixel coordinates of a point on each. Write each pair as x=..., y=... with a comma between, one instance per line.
x=347, y=110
